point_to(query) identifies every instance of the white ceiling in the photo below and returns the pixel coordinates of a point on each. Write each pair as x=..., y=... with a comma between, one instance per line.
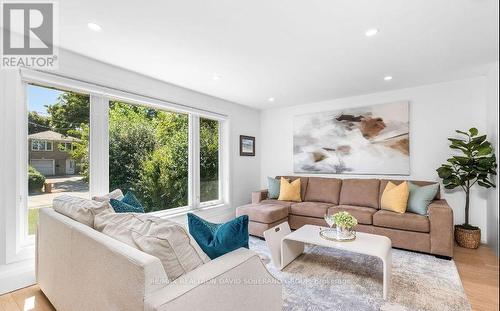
x=295, y=51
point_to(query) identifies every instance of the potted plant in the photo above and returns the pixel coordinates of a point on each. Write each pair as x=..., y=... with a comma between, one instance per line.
x=344, y=222
x=474, y=164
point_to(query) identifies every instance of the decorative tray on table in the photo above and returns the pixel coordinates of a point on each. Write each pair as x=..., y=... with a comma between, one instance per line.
x=333, y=234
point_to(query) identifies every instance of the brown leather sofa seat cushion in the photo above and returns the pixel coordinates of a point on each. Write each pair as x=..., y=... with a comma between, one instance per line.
x=364, y=215
x=323, y=190
x=360, y=192
x=310, y=209
x=406, y=221
x=264, y=213
x=277, y=202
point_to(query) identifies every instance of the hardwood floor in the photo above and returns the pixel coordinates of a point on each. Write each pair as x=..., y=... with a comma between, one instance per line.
x=478, y=270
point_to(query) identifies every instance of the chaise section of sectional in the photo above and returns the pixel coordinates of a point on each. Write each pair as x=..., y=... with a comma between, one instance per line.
x=264, y=213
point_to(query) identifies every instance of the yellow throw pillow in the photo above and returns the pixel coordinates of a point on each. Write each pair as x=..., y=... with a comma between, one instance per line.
x=290, y=191
x=395, y=198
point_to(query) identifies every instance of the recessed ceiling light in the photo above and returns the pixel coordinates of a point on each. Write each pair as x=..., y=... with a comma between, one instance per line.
x=216, y=77
x=371, y=32
x=94, y=27
x=271, y=99
x=387, y=78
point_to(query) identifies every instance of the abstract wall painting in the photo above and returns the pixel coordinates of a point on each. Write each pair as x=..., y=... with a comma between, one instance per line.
x=363, y=140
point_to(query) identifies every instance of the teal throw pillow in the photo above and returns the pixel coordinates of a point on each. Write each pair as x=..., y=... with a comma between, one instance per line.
x=273, y=188
x=421, y=197
x=218, y=239
x=129, y=204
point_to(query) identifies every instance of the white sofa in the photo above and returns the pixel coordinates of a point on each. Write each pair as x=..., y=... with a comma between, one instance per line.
x=79, y=268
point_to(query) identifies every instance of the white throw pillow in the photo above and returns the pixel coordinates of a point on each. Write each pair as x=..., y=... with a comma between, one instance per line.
x=80, y=209
x=115, y=194
x=170, y=242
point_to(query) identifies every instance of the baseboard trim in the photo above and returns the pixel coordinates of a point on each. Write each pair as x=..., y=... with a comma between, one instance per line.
x=17, y=275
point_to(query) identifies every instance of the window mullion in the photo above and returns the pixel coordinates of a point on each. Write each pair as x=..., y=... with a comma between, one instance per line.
x=194, y=161
x=99, y=145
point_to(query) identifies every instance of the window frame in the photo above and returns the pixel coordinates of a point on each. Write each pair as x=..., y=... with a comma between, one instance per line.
x=45, y=142
x=220, y=165
x=65, y=144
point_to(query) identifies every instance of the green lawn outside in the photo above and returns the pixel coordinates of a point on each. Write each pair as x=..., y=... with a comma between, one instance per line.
x=32, y=220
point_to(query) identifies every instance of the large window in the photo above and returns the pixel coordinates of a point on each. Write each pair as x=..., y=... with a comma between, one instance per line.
x=148, y=154
x=58, y=140
x=209, y=160
x=168, y=155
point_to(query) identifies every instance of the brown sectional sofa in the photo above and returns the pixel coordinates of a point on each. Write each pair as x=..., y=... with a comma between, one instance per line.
x=360, y=197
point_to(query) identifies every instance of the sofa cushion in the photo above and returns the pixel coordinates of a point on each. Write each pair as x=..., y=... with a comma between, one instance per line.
x=264, y=213
x=168, y=241
x=323, y=190
x=219, y=239
x=310, y=209
x=421, y=197
x=277, y=202
x=273, y=188
x=303, y=184
x=364, y=215
x=360, y=192
x=80, y=209
x=116, y=194
x=395, y=198
x=383, y=184
x=406, y=221
x=290, y=191
x=128, y=204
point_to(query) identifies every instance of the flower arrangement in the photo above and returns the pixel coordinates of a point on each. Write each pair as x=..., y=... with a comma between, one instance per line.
x=344, y=220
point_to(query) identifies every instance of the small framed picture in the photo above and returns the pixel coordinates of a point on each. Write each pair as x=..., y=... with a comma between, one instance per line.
x=247, y=146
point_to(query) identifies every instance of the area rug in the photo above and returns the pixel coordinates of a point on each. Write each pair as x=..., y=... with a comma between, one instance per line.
x=329, y=279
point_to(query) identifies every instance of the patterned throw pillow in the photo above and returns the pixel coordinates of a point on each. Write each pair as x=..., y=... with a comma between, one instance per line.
x=218, y=239
x=129, y=204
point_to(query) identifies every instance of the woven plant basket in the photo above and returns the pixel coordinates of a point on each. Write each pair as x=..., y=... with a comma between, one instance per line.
x=468, y=238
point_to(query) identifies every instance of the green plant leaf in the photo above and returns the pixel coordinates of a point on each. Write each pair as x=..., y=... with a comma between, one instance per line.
x=479, y=139
x=461, y=132
x=444, y=172
x=486, y=150
x=473, y=131
x=483, y=184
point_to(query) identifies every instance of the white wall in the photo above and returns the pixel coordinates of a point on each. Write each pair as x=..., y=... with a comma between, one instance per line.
x=492, y=124
x=435, y=112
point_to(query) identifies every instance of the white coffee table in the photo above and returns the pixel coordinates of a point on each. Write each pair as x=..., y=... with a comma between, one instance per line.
x=285, y=246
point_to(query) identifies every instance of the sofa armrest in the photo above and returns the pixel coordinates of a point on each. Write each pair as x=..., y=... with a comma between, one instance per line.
x=235, y=281
x=258, y=196
x=441, y=228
